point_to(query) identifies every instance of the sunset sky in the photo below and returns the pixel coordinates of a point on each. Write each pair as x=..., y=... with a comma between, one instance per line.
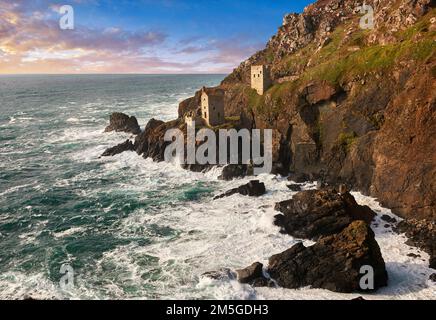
x=143, y=36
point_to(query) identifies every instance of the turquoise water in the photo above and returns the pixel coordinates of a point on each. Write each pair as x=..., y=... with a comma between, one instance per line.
x=59, y=203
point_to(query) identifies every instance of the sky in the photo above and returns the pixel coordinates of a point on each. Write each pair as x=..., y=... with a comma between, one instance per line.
x=136, y=36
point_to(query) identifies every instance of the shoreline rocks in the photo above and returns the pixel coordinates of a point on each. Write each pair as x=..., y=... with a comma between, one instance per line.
x=254, y=188
x=120, y=122
x=421, y=234
x=253, y=275
x=311, y=214
x=333, y=263
x=120, y=148
x=233, y=171
x=294, y=187
x=150, y=143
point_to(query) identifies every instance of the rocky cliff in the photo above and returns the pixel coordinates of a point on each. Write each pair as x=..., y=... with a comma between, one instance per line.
x=348, y=104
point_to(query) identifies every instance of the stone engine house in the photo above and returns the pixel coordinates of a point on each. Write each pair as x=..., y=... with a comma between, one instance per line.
x=212, y=106
x=260, y=78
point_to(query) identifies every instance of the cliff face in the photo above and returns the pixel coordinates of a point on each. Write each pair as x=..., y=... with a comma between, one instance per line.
x=348, y=104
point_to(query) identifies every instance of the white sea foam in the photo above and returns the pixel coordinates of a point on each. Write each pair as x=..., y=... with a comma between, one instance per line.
x=236, y=231
x=232, y=232
x=16, y=188
x=68, y=232
x=17, y=285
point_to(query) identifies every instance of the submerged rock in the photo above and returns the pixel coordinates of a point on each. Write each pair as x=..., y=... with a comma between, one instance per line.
x=253, y=189
x=311, y=214
x=223, y=274
x=250, y=273
x=333, y=263
x=421, y=234
x=125, y=146
x=121, y=122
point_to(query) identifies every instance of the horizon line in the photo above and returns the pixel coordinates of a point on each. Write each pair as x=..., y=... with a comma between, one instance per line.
x=112, y=74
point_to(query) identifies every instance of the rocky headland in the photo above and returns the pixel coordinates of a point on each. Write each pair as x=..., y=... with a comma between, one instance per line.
x=349, y=107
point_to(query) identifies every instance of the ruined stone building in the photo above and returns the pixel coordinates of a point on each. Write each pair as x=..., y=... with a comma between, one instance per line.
x=260, y=79
x=194, y=118
x=212, y=106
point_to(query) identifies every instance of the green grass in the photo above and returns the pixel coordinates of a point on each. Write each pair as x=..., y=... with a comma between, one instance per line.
x=369, y=59
x=334, y=63
x=419, y=27
x=255, y=101
x=233, y=118
x=347, y=139
x=269, y=56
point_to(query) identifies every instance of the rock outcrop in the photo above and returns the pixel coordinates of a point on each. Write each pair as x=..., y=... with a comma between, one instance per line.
x=253, y=275
x=333, y=263
x=311, y=214
x=421, y=234
x=150, y=143
x=253, y=189
x=120, y=148
x=121, y=122
x=125, y=146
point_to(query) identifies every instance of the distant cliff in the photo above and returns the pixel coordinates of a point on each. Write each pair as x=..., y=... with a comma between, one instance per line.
x=348, y=104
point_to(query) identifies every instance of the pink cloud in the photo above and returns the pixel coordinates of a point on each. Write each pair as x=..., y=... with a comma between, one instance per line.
x=32, y=42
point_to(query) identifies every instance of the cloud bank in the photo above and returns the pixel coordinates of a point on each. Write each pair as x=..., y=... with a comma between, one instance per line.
x=31, y=41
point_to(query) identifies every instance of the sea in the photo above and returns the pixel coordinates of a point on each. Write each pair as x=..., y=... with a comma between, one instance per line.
x=126, y=227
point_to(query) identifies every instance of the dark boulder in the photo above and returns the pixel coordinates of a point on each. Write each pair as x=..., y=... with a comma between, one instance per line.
x=433, y=277
x=311, y=214
x=249, y=274
x=121, y=122
x=388, y=219
x=233, y=171
x=125, y=146
x=253, y=275
x=357, y=211
x=421, y=234
x=333, y=263
x=294, y=187
x=253, y=189
x=299, y=177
